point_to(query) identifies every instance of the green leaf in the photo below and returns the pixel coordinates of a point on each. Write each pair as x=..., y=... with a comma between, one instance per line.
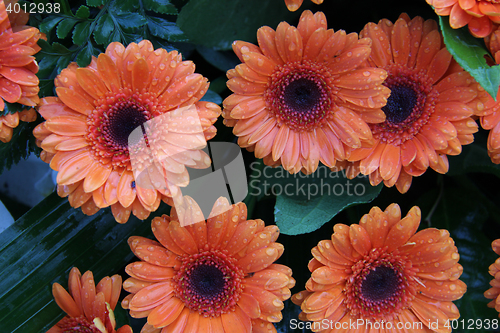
x=212, y=96
x=84, y=57
x=130, y=20
x=81, y=32
x=160, y=6
x=217, y=23
x=164, y=29
x=51, y=59
x=40, y=249
x=65, y=27
x=96, y=3
x=470, y=53
x=124, y=6
x=83, y=12
x=12, y=108
x=305, y=203
x=104, y=29
x=20, y=146
x=49, y=23
x=223, y=60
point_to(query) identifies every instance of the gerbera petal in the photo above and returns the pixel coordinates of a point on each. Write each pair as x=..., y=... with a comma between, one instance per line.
x=430, y=314
x=402, y=231
x=66, y=125
x=279, y=39
x=293, y=43
x=74, y=100
x=74, y=169
x=380, y=44
x=265, y=38
x=151, y=296
x=236, y=321
x=97, y=176
x=249, y=305
x=280, y=142
x=65, y=301
x=459, y=17
x=389, y=161
x=261, y=258
x=125, y=192
x=167, y=313
x=431, y=44
x=149, y=272
x=351, y=58
x=480, y=27
x=314, y=44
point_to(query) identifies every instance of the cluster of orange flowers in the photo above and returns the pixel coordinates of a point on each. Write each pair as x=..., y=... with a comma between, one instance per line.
x=388, y=103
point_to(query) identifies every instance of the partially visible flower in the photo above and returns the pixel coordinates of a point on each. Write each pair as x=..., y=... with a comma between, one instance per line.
x=293, y=5
x=18, y=44
x=11, y=121
x=86, y=133
x=212, y=276
x=303, y=95
x=89, y=308
x=380, y=270
x=481, y=16
x=429, y=113
x=490, y=113
x=494, y=292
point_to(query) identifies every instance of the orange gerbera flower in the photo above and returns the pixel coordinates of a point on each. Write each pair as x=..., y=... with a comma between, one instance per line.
x=89, y=308
x=379, y=271
x=301, y=97
x=86, y=133
x=494, y=292
x=293, y=5
x=213, y=276
x=10, y=121
x=481, y=16
x=428, y=114
x=490, y=114
x=18, y=44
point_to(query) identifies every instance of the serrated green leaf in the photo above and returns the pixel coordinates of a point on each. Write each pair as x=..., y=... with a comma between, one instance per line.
x=164, y=29
x=81, y=32
x=130, y=20
x=217, y=23
x=84, y=57
x=160, y=6
x=104, y=29
x=12, y=108
x=49, y=23
x=305, y=203
x=124, y=6
x=96, y=3
x=51, y=59
x=469, y=52
x=65, y=26
x=20, y=146
x=40, y=249
x=83, y=12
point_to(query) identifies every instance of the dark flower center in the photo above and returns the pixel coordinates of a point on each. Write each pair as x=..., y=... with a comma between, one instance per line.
x=110, y=124
x=122, y=119
x=400, y=104
x=302, y=95
x=411, y=103
x=380, y=284
x=77, y=325
x=298, y=95
x=209, y=282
